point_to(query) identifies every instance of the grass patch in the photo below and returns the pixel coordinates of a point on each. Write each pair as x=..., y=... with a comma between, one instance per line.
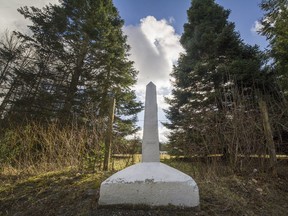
x=69, y=192
x=53, y=193
x=224, y=192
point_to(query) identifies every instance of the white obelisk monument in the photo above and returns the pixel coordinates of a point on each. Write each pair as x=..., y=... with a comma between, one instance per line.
x=150, y=143
x=150, y=183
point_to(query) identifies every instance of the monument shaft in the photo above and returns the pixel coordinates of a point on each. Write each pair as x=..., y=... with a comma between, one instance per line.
x=150, y=143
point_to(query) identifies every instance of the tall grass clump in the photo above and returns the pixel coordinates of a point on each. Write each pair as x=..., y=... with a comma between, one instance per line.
x=38, y=147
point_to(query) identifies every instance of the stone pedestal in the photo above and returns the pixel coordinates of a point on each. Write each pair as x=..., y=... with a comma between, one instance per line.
x=150, y=183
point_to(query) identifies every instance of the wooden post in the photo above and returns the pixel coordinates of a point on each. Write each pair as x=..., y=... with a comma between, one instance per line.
x=108, y=139
x=268, y=135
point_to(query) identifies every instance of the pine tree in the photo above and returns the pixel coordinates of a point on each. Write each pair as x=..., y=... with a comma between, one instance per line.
x=216, y=68
x=275, y=28
x=15, y=66
x=80, y=62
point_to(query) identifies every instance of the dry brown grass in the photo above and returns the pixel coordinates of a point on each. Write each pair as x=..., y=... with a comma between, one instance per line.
x=222, y=192
x=36, y=148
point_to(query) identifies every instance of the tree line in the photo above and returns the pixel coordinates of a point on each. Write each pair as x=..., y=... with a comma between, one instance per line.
x=67, y=69
x=229, y=97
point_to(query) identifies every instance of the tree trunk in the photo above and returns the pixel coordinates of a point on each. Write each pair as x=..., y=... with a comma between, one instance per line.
x=108, y=138
x=74, y=81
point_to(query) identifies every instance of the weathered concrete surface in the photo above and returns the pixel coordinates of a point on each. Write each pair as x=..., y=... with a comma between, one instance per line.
x=153, y=184
x=150, y=143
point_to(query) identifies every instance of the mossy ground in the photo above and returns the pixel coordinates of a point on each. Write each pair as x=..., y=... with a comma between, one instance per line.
x=70, y=192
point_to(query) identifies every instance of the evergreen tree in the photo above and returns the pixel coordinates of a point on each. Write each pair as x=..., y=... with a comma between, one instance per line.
x=15, y=64
x=216, y=68
x=275, y=28
x=80, y=62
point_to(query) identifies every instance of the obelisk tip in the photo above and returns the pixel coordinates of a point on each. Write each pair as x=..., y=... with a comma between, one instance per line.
x=151, y=83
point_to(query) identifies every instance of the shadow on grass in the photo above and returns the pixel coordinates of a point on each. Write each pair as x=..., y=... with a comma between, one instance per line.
x=222, y=192
x=55, y=193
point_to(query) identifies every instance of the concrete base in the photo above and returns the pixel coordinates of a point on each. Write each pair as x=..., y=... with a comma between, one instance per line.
x=152, y=184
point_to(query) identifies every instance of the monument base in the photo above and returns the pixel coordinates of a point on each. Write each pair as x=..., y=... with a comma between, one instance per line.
x=151, y=184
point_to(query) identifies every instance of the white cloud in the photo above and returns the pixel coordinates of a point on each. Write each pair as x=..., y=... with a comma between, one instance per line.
x=257, y=26
x=171, y=20
x=164, y=132
x=11, y=19
x=155, y=47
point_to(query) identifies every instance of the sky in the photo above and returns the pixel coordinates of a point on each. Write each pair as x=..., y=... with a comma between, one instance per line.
x=154, y=28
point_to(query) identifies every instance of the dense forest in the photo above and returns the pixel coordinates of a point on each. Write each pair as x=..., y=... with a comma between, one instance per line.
x=61, y=83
